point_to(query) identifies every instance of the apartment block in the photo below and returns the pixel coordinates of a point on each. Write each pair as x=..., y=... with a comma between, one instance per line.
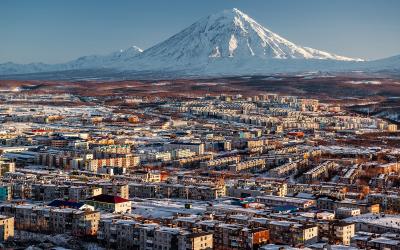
x=293, y=234
x=131, y=234
x=115, y=189
x=6, y=166
x=78, y=193
x=235, y=237
x=319, y=171
x=6, y=228
x=52, y=220
x=125, y=162
x=250, y=165
x=271, y=200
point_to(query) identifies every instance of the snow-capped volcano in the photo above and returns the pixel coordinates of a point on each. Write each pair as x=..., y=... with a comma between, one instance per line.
x=226, y=43
x=228, y=34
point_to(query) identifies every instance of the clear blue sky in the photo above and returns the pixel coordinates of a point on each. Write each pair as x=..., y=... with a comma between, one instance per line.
x=54, y=31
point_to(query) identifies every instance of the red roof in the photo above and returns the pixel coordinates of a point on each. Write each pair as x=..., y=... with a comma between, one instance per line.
x=108, y=198
x=39, y=130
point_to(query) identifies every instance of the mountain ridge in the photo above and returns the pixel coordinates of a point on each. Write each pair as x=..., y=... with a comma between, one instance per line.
x=228, y=42
x=83, y=62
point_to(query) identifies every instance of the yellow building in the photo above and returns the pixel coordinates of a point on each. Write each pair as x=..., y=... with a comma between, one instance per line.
x=6, y=166
x=344, y=232
x=6, y=228
x=198, y=241
x=392, y=127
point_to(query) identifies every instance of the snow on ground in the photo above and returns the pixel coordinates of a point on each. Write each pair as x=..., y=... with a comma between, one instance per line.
x=272, y=78
x=161, y=83
x=166, y=208
x=365, y=82
x=345, y=150
x=16, y=89
x=392, y=221
x=209, y=84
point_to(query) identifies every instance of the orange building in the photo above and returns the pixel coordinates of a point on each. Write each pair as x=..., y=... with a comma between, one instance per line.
x=383, y=169
x=256, y=237
x=298, y=134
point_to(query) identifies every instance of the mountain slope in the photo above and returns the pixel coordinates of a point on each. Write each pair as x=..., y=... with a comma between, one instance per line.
x=106, y=61
x=230, y=34
x=388, y=63
x=85, y=62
